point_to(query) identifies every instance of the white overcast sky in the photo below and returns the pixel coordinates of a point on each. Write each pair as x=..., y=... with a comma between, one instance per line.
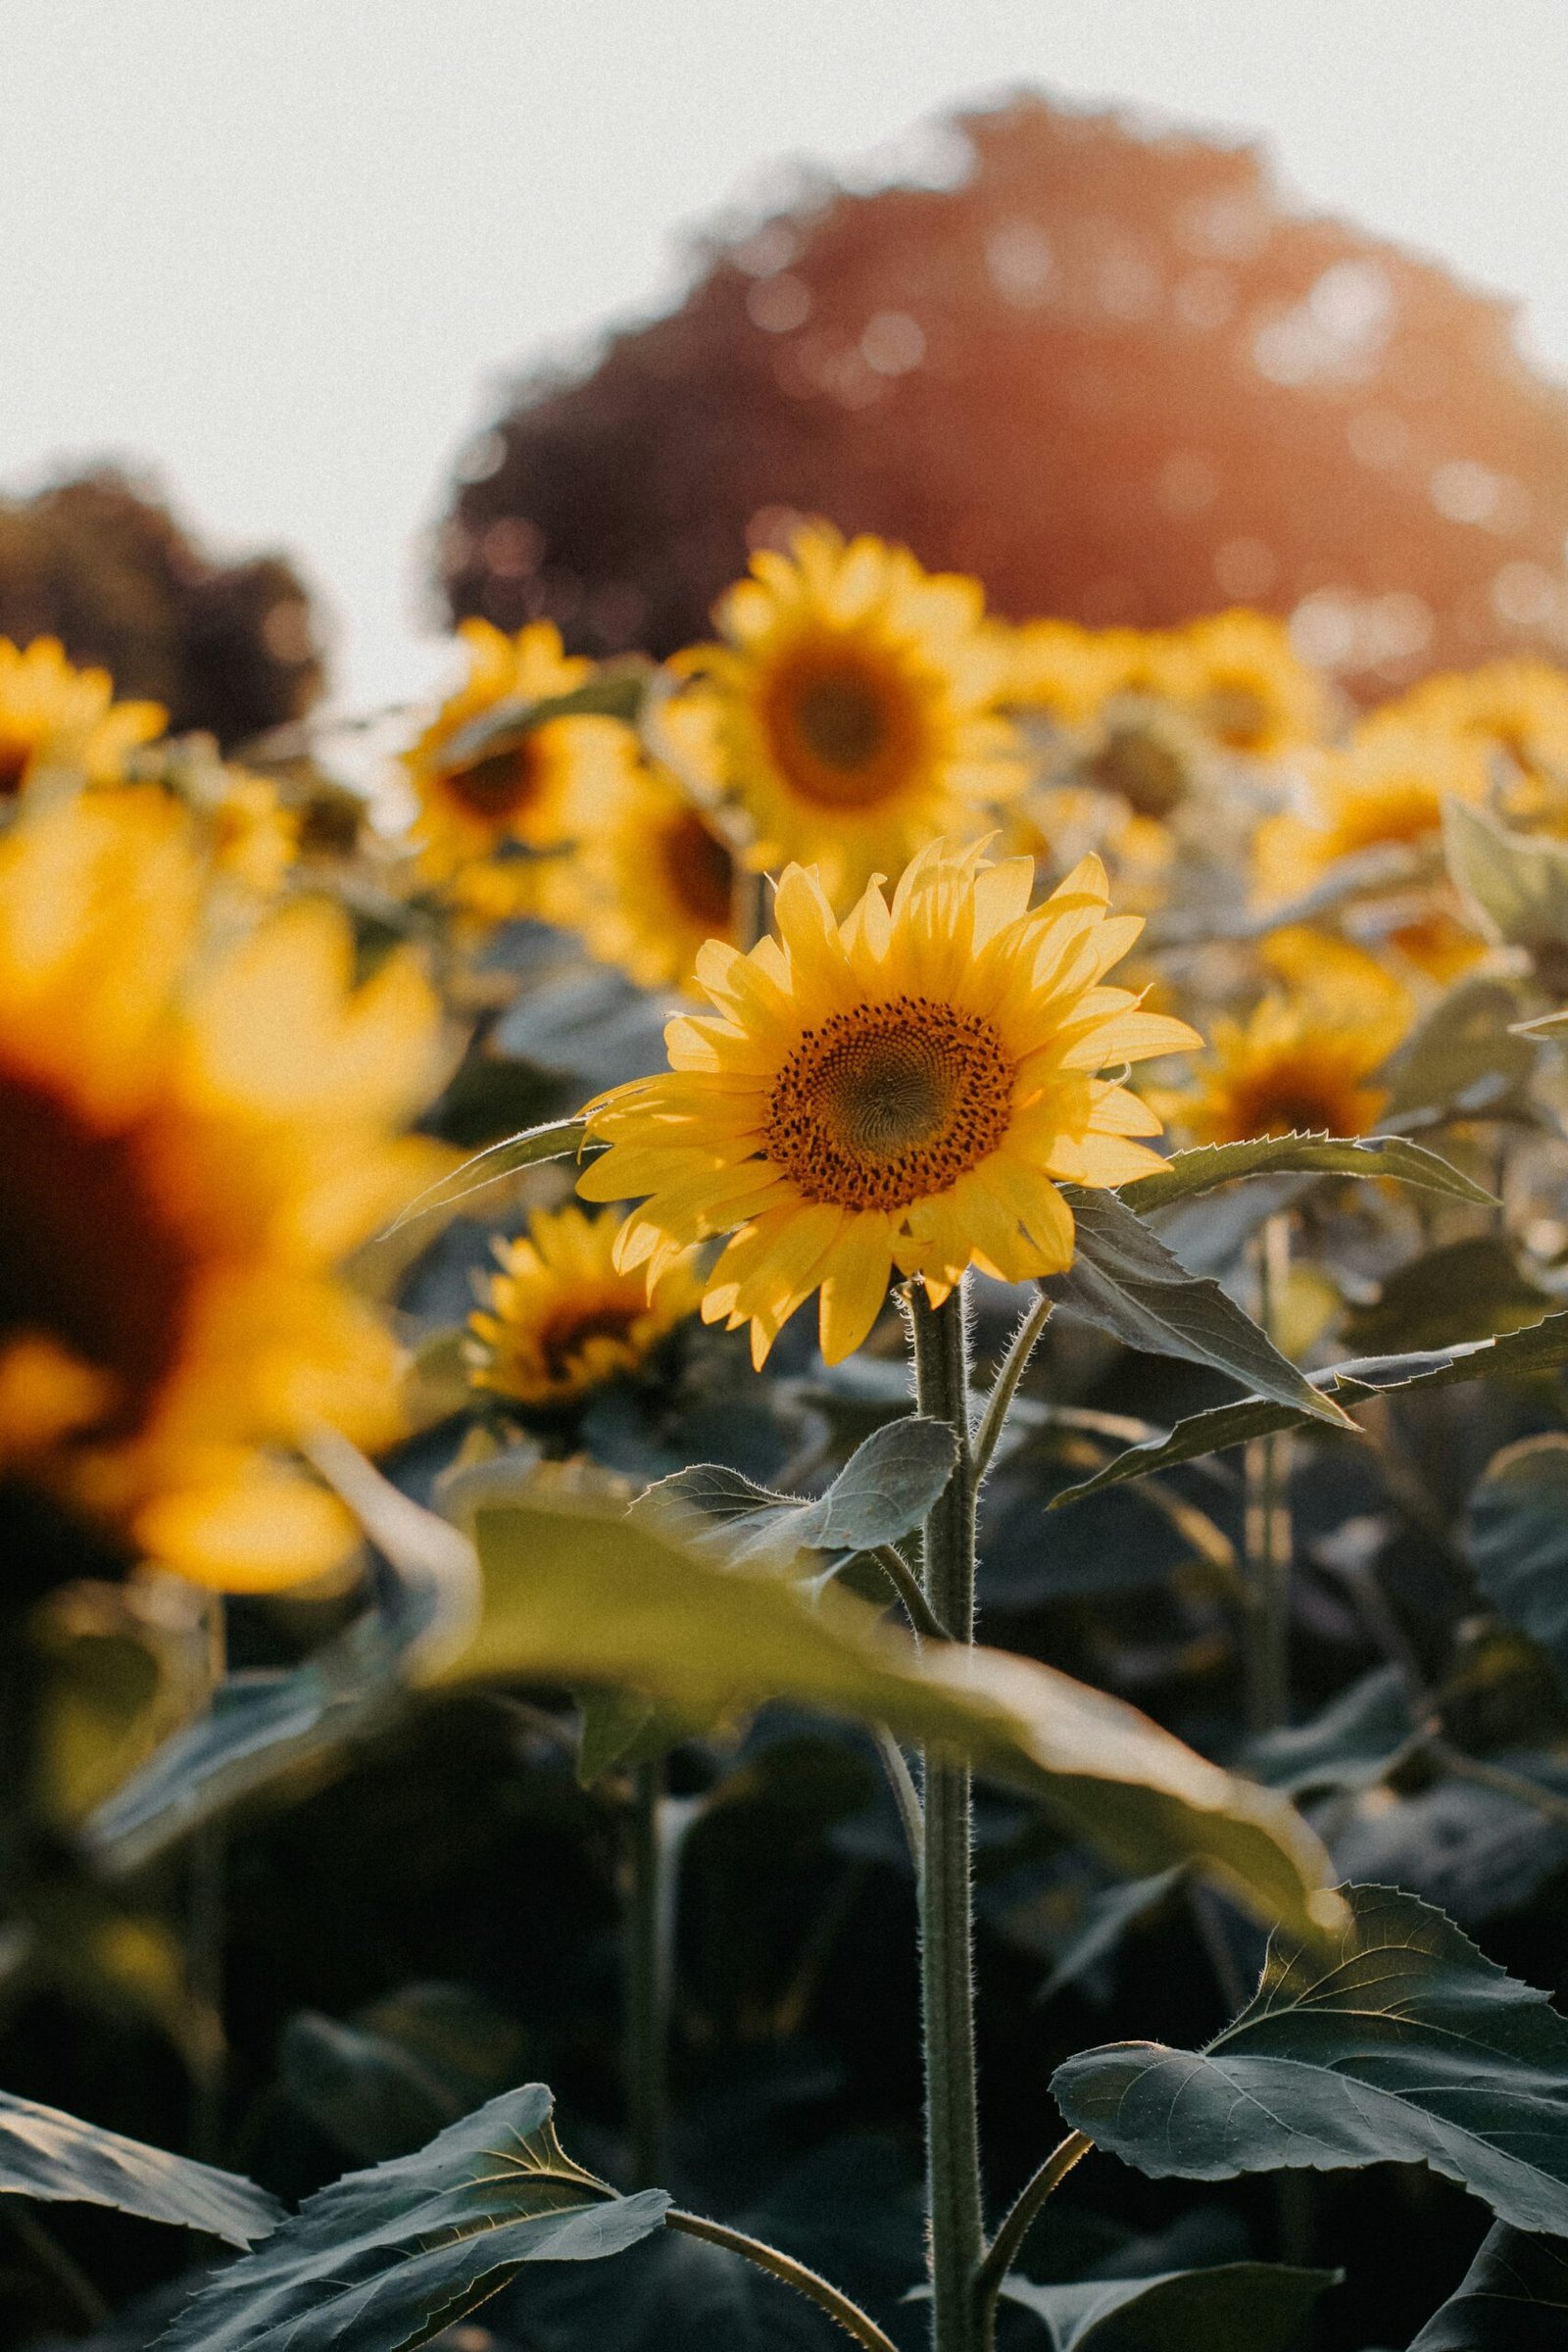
x=284, y=251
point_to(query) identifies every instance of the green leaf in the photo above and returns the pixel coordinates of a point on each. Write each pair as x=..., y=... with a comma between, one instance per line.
x=59, y=2158
x=884, y=1490
x=578, y=1593
x=1467, y=1290
x=558, y=1139
x=400, y=2071
x=383, y=2260
x=1125, y=1280
x=1108, y=1916
x=616, y=692
x=1540, y=1348
x=1517, y=882
x=1258, y=2304
x=1517, y=1542
x=1513, y=2298
x=619, y=1728
x=1462, y=1057
x=1401, y=2044
x=1353, y=1743
x=1188, y=1173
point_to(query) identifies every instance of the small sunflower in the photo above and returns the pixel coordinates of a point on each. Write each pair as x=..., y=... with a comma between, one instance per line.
x=477, y=814
x=1516, y=708
x=1241, y=679
x=1301, y=1062
x=196, y=1130
x=53, y=715
x=561, y=1319
x=1066, y=671
x=857, y=705
x=650, y=885
x=905, y=1088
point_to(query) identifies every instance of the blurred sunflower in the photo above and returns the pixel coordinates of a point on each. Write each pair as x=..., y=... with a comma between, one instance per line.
x=650, y=885
x=1064, y=670
x=1301, y=1063
x=477, y=814
x=1518, y=707
x=194, y=1137
x=857, y=705
x=1244, y=684
x=903, y=1089
x=561, y=1319
x=53, y=715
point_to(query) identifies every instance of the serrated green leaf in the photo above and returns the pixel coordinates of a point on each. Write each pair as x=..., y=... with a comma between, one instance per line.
x=1351, y=1744
x=557, y=1139
x=1517, y=1542
x=884, y=1490
x=1513, y=2298
x=1258, y=2304
x=1189, y=1173
x=1402, y=2043
x=57, y=2157
x=1125, y=1280
x=1540, y=1348
x=383, y=2260
x=579, y=1593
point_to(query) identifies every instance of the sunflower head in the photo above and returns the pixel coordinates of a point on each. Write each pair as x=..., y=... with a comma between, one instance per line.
x=1243, y=682
x=197, y=1127
x=904, y=1089
x=856, y=705
x=650, y=883
x=559, y=1319
x=1518, y=709
x=488, y=811
x=53, y=715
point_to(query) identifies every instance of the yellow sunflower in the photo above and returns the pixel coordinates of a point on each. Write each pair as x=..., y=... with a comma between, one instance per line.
x=1301, y=1062
x=650, y=885
x=477, y=814
x=1064, y=670
x=561, y=1319
x=196, y=1130
x=900, y=1089
x=856, y=707
x=53, y=715
x=1241, y=679
x=1518, y=707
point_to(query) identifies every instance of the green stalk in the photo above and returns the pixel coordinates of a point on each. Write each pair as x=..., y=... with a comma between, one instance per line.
x=647, y=1987
x=1265, y=1474
x=956, y=2243
x=206, y=1934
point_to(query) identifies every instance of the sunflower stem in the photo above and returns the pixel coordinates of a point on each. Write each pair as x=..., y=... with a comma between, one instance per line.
x=848, y=2315
x=1008, y=2244
x=957, y=2236
x=647, y=1983
x=206, y=1930
x=1014, y=1364
x=1266, y=1471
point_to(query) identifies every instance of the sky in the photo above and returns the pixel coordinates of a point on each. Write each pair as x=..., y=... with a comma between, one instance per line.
x=286, y=254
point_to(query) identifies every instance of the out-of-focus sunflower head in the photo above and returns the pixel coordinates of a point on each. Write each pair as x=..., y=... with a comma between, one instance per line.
x=1304, y=1059
x=559, y=1320
x=653, y=880
x=199, y=1125
x=856, y=700
x=56, y=718
x=1516, y=710
x=253, y=836
x=1243, y=682
x=505, y=810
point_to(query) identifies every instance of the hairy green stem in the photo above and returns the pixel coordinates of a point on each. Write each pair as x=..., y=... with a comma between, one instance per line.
x=906, y=1796
x=909, y=1589
x=1008, y=2244
x=1014, y=1364
x=957, y=2243
x=647, y=1984
x=849, y=2317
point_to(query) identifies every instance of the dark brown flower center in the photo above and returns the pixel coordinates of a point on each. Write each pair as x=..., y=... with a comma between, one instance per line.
x=501, y=787
x=701, y=870
x=845, y=729
x=87, y=1261
x=1147, y=772
x=568, y=1331
x=890, y=1103
x=15, y=755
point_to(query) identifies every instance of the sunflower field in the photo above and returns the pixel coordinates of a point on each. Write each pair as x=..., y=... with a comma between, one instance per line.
x=784, y=1475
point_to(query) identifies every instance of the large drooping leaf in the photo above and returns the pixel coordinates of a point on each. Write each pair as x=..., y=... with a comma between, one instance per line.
x=559, y=1139
x=577, y=1593
x=1517, y=1539
x=383, y=2260
x=1540, y=1348
x=59, y=2158
x=1256, y=2304
x=1188, y=1173
x=1124, y=1278
x=1518, y=882
x=1353, y=1741
x=1513, y=2298
x=1462, y=1056
x=884, y=1490
x=1400, y=2043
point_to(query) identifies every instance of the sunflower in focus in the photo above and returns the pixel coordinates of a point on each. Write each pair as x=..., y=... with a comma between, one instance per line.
x=561, y=1319
x=1302, y=1061
x=905, y=1089
x=53, y=715
x=479, y=817
x=856, y=699
x=196, y=1132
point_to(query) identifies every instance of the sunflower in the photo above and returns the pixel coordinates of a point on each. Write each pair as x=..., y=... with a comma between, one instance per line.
x=1516, y=708
x=1239, y=676
x=899, y=1088
x=1301, y=1062
x=477, y=814
x=857, y=705
x=561, y=1319
x=1386, y=788
x=53, y=715
x=650, y=885
x=197, y=1129
x=1064, y=670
